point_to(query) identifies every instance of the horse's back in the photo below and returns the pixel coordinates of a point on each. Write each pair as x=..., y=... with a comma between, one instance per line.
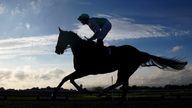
x=124, y=49
x=125, y=54
x=106, y=52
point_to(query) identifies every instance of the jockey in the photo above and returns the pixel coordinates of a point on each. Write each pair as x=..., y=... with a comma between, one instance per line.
x=100, y=27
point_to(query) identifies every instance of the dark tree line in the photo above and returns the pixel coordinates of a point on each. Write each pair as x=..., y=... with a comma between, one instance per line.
x=36, y=90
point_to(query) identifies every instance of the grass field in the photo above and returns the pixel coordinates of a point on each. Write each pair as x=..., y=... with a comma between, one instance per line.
x=138, y=99
x=97, y=104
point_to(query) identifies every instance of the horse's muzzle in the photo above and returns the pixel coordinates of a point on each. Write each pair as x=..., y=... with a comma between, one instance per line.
x=59, y=51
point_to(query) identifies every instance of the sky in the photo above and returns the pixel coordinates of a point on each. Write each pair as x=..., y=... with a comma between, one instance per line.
x=29, y=32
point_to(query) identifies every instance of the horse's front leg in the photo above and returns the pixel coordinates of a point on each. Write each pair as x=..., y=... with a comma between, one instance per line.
x=70, y=76
x=80, y=89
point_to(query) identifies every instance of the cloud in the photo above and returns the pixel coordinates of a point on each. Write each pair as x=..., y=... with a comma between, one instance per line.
x=27, y=77
x=127, y=28
x=57, y=73
x=36, y=6
x=176, y=48
x=156, y=77
x=26, y=72
x=14, y=47
x=2, y=8
x=22, y=27
x=5, y=74
x=103, y=15
x=17, y=11
x=15, y=43
x=83, y=2
x=28, y=26
x=28, y=7
x=21, y=75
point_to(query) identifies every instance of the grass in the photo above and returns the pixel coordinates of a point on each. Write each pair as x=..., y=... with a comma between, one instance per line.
x=141, y=99
x=92, y=97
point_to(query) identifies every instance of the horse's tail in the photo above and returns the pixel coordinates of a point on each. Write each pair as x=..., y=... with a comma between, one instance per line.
x=162, y=63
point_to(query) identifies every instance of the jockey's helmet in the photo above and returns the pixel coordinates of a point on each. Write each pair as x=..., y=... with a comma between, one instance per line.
x=83, y=17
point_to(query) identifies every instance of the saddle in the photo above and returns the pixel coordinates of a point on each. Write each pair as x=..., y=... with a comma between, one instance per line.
x=101, y=50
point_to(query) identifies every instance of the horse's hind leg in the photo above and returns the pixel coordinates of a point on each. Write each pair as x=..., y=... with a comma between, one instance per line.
x=120, y=77
x=125, y=90
x=110, y=88
x=124, y=75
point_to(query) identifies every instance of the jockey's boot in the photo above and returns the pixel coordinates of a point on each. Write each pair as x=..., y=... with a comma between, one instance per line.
x=100, y=43
x=101, y=47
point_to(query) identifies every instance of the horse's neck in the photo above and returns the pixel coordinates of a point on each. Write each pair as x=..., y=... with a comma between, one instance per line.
x=76, y=45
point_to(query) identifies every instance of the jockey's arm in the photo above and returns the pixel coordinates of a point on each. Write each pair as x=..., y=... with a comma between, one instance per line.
x=94, y=27
x=95, y=35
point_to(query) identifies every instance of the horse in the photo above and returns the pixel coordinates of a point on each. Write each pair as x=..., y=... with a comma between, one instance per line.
x=91, y=59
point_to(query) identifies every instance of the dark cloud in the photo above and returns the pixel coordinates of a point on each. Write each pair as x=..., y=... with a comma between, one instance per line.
x=5, y=75
x=21, y=75
x=57, y=73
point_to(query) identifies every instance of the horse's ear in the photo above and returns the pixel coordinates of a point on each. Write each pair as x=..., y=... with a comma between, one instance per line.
x=60, y=29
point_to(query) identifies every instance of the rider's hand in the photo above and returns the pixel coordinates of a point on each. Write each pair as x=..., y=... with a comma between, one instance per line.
x=89, y=39
x=86, y=37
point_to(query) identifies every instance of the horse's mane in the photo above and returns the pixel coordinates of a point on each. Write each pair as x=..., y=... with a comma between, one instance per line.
x=71, y=33
x=84, y=40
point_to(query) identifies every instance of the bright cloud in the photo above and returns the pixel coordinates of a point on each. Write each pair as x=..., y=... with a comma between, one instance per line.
x=176, y=48
x=26, y=77
x=5, y=74
x=29, y=77
x=28, y=26
x=14, y=47
x=16, y=53
x=156, y=77
x=15, y=43
x=126, y=28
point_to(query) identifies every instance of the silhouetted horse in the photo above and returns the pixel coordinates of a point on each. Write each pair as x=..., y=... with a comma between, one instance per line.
x=91, y=59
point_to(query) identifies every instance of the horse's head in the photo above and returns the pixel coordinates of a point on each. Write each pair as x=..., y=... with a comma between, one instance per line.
x=64, y=40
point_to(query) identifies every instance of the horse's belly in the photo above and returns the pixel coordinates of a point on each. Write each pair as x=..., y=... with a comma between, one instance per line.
x=106, y=68
x=97, y=68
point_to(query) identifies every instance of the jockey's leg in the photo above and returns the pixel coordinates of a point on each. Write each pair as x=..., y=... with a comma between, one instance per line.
x=100, y=42
x=104, y=30
x=103, y=33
